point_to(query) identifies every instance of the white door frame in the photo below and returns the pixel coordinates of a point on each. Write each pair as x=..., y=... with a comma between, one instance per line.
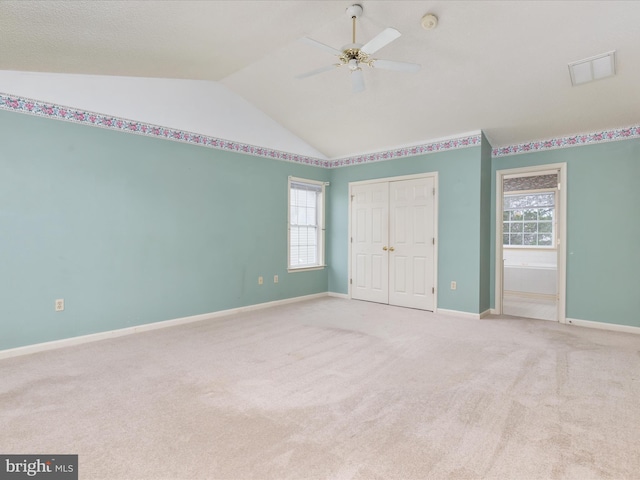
x=433, y=175
x=562, y=232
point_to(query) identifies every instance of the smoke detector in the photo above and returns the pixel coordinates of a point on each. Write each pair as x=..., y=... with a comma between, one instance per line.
x=429, y=21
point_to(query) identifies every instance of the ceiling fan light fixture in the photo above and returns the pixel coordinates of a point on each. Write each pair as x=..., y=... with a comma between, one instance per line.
x=354, y=55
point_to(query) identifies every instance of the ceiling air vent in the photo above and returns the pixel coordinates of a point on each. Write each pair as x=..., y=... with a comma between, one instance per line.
x=593, y=68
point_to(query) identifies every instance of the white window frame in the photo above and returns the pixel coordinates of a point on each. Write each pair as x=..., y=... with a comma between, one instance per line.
x=320, y=226
x=554, y=232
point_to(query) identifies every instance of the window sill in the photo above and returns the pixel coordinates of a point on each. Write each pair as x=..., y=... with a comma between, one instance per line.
x=305, y=269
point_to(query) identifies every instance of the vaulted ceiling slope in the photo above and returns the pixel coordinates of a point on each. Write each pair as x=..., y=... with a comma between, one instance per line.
x=491, y=65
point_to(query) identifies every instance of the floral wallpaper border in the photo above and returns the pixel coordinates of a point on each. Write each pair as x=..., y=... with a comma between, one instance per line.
x=50, y=110
x=45, y=109
x=624, y=133
x=454, y=143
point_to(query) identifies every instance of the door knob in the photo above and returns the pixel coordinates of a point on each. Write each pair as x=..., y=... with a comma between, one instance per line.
x=391, y=249
x=385, y=248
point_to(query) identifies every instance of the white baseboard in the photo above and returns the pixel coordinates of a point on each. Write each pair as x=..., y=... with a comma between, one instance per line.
x=458, y=313
x=94, y=337
x=603, y=326
x=339, y=295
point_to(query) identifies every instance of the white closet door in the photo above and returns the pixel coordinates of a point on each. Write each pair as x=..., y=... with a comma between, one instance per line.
x=411, y=243
x=370, y=234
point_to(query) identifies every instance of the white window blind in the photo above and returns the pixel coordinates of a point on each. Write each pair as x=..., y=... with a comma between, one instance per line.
x=306, y=224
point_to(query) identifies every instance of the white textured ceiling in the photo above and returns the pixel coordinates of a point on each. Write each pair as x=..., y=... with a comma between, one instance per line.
x=499, y=66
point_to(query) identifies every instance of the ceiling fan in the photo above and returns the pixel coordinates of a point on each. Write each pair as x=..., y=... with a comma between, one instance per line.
x=354, y=55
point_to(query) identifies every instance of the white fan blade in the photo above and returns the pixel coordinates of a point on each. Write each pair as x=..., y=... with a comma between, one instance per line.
x=322, y=46
x=385, y=37
x=396, y=66
x=357, y=81
x=318, y=70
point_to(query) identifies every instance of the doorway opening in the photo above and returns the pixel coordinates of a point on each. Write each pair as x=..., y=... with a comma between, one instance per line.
x=530, y=242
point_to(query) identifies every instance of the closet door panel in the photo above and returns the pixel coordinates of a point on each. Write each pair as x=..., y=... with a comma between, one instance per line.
x=411, y=241
x=369, y=240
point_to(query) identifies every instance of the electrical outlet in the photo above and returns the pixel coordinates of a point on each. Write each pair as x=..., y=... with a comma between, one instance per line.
x=275, y=279
x=59, y=304
x=260, y=280
x=454, y=285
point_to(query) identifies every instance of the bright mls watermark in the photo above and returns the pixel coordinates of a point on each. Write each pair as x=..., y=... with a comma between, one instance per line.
x=49, y=467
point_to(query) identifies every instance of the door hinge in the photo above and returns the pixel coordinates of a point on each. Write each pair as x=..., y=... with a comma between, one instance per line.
x=433, y=191
x=433, y=240
x=351, y=239
x=351, y=281
x=433, y=289
x=559, y=185
x=352, y=196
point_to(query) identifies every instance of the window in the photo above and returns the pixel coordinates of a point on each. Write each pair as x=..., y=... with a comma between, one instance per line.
x=306, y=224
x=528, y=220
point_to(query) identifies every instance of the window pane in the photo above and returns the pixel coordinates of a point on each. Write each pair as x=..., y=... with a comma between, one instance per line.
x=545, y=239
x=311, y=256
x=312, y=238
x=311, y=215
x=505, y=239
x=294, y=255
x=530, y=214
x=293, y=197
x=545, y=214
x=310, y=199
x=505, y=215
x=505, y=227
x=516, y=227
x=302, y=216
x=516, y=215
x=545, y=227
x=301, y=258
x=529, y=200
x=529, y=239
x=516, y=239
x=530, y=227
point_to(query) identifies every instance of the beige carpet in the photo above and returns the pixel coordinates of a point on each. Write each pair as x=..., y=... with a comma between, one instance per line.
x=335, y=389
x=538, y=307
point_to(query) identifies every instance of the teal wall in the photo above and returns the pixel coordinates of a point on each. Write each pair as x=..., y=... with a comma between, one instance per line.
x=485, y=226
x=458, y=220
x=131, y=230
x=603, y=227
